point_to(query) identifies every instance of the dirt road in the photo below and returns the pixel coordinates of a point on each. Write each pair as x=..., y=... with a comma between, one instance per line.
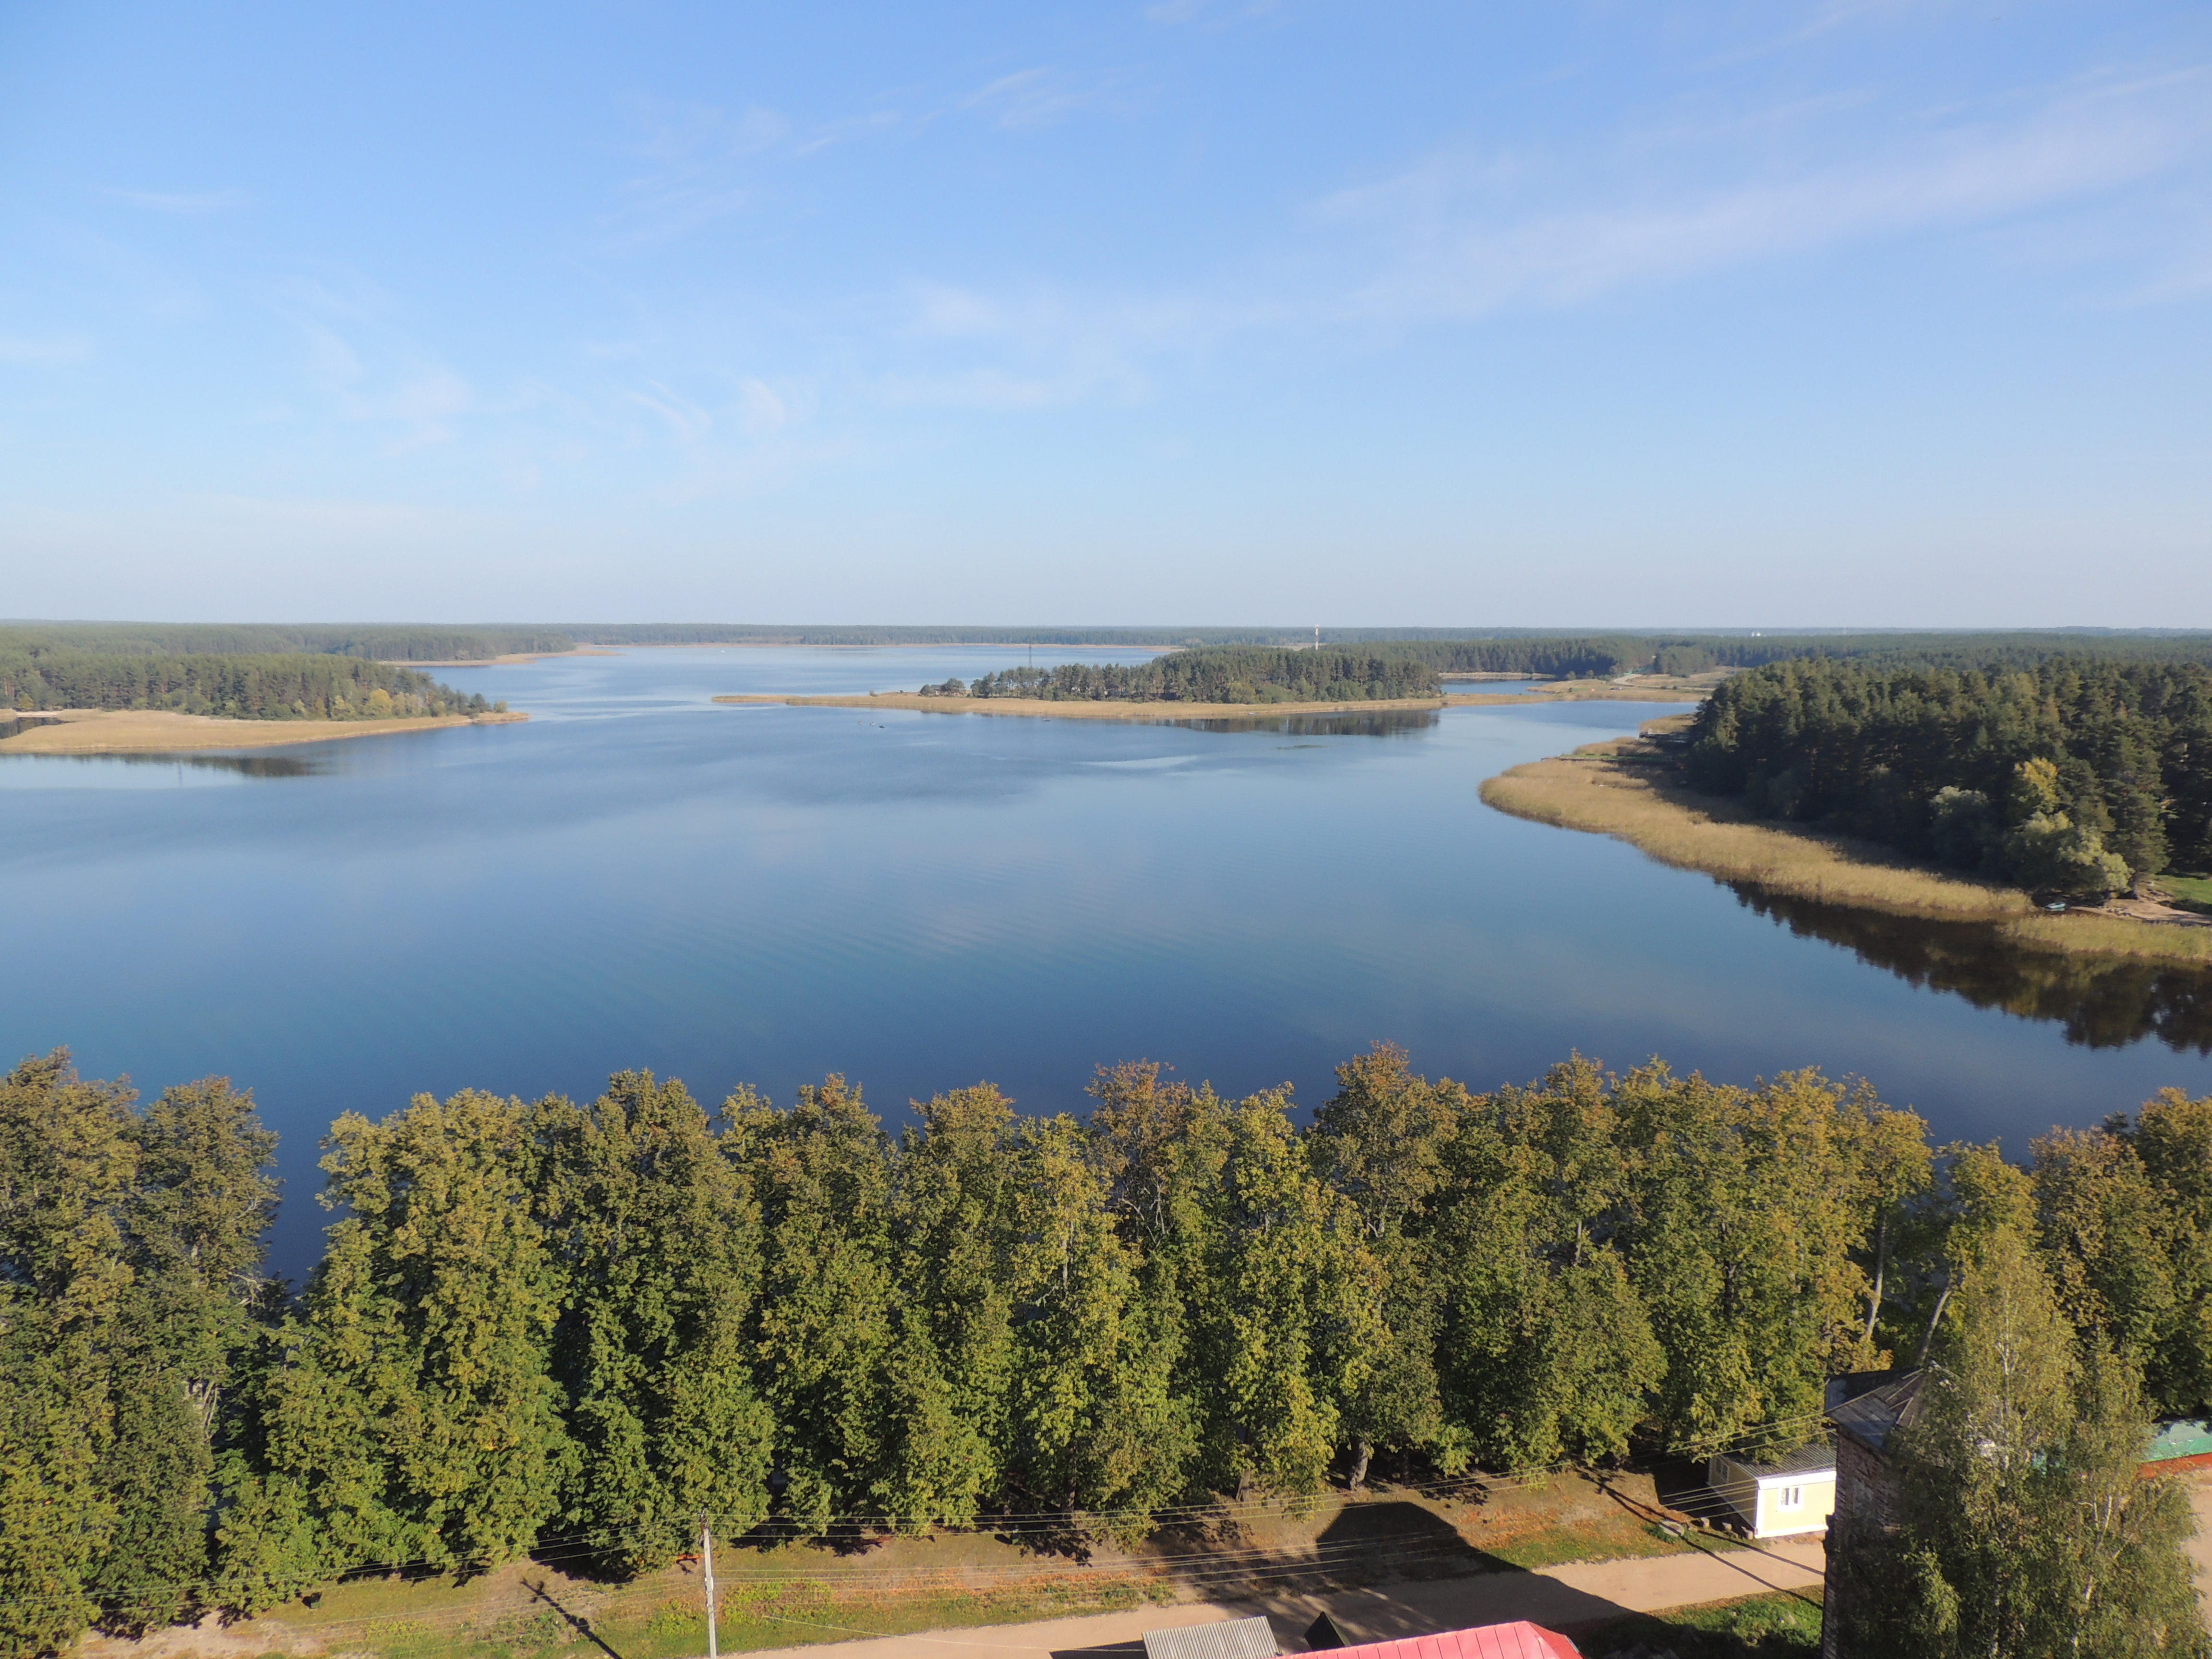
x=1579, y=1594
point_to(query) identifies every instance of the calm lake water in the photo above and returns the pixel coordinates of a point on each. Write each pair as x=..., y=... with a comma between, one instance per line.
x=638, y=877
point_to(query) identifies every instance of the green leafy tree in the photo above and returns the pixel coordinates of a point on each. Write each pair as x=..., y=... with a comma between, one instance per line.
x=1291, y=1311
x=1159, y=1148
x=1094, y=1421
x=202, y=1198
x=2124, y=1213
x=413, y=1417
x=2046, y=851
x=826, y=1318
x=66, y=1166
x=1380, y=1142
x=952, y=1355
x=1750, y=1208
x=2025, y=1528
x=1550, y=1347
x=657, y=1238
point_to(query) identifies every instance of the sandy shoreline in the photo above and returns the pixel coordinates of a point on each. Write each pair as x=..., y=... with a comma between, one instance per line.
x=1043, y=709
x=1072, y=709
x=1627, y=789
x=158, y=731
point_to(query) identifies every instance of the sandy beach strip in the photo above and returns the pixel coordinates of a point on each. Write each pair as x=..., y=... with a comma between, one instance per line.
x=158, y=731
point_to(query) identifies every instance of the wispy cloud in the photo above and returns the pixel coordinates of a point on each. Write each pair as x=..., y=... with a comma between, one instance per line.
x=1459, y=236
x=1462, y=237
x=184, y=202
x=1041, y=96
x=686, y=422
x=44, y=349
x=696, y=173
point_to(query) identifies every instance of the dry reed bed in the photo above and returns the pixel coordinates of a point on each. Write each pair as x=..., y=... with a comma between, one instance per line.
x=158, y=731
x=1626, y=789
x=1072, y=709
x=1618, y=789
x=2083, y=933
x=1583, y=691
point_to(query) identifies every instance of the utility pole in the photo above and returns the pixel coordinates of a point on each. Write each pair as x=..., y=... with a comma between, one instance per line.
x=707, y=1557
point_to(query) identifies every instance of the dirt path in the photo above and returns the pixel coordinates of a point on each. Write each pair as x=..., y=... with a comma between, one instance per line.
x=1580, y=1593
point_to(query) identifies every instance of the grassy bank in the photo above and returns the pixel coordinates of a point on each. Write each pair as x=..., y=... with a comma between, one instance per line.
x=537, y=1612
x=1641, y=688
x=156, y=731
x=1629, y=789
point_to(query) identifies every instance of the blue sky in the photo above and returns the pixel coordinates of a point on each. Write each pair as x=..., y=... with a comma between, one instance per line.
x=1602, y=314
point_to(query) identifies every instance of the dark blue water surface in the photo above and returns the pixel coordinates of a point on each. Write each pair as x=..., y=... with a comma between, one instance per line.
x=638, y=877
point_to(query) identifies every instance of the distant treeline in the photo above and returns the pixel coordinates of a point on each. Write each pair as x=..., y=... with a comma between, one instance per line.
x=2070, y=777
x=1243, y=674
x=543, y=1325
x=377, y=642
x=1570, y=657
x=1551, y=651
x=296, y=686
x=1400, y=667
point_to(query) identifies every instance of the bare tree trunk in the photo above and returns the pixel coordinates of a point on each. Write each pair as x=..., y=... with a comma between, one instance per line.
x=1880, y=1264
x=1936, y=1320
x=1361, y=1452
x=1244, y=1485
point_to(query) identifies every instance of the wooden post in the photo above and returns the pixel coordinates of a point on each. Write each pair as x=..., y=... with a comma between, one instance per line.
x=707, y=1557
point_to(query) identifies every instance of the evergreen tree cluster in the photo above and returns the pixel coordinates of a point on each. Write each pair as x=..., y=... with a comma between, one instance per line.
x=292, y=686
x=2069, y=778
x=1216, y=674
x=541, y=1323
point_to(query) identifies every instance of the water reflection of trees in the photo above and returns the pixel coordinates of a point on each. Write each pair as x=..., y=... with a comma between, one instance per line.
x=1392, y=723
x=2102, y=1002
x=251, y=766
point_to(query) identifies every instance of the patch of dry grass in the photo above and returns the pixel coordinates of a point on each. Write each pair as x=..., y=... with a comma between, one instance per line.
x=1645, y=688
x=1626, y=789
x=158, y=731
x=2080, y=934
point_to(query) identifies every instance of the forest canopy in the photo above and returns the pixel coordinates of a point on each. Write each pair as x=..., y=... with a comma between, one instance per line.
x=293, y=686
x=2070, y=778
x=546, y=1320
x=1215, y=674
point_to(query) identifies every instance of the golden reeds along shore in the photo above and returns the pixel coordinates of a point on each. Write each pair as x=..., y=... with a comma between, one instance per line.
x=1645, y=688
x=1629, y=789
x=158, y=731
x=1071, y=709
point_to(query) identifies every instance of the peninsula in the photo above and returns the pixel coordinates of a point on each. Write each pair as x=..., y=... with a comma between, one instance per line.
x=162, y=731
x=1632, y=789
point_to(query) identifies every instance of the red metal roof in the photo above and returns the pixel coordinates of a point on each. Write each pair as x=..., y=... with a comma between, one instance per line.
x=1518, y=1640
